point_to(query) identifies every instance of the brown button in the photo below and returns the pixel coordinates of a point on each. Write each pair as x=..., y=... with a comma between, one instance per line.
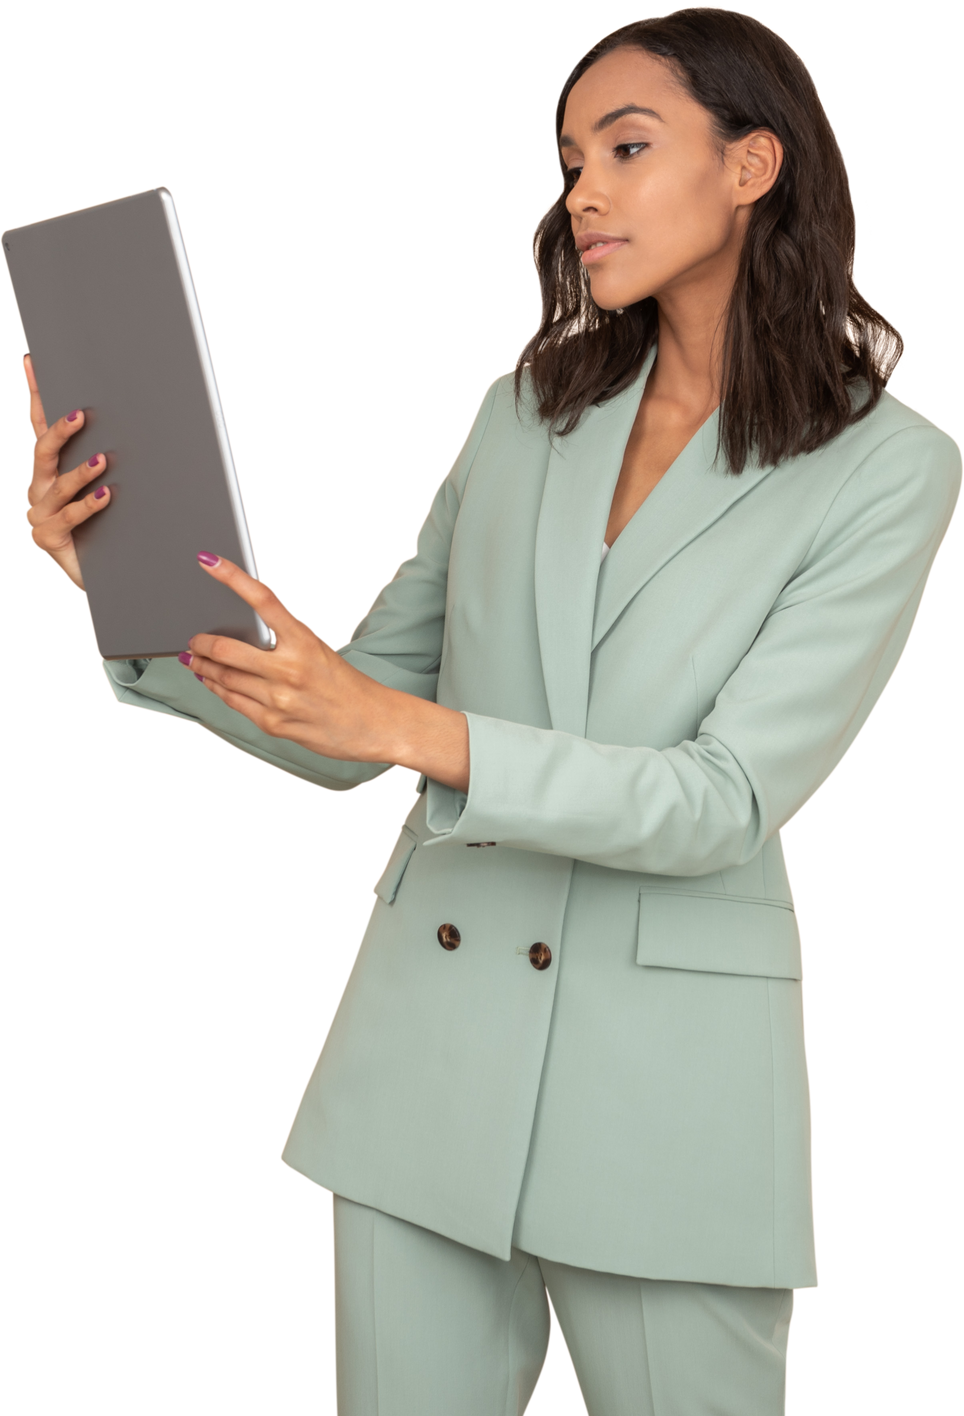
x=448, y=936
x=540, y=956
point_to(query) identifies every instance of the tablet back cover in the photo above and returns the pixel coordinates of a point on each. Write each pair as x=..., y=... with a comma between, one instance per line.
x=113, y=327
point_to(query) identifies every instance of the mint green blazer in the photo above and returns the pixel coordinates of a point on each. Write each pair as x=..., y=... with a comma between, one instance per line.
x=639, y=732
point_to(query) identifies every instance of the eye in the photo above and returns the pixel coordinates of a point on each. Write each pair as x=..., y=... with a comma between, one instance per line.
x=624, y=152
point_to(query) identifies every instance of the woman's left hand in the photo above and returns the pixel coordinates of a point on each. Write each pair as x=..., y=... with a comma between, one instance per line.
x=304, y=691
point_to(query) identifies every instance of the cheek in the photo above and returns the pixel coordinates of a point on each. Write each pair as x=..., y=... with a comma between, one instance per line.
x=675, y=220
x=677, y=232
x=684, y=216
x=712, y=207
x=701, y=235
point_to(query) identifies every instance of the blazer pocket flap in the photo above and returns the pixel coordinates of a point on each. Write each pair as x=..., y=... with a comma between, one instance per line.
x=717, y=934
x=387, y=887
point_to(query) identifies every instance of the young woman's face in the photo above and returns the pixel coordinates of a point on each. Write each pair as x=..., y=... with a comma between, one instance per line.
x=654, y=204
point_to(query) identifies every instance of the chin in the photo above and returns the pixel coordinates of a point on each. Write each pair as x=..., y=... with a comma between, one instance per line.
x=616, y=299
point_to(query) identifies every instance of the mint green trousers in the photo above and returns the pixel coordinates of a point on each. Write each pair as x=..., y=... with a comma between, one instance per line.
x=428, y=1327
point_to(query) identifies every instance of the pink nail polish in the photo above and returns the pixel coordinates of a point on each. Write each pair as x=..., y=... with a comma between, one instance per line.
x=206, y=558
x=93, y=461
x=199, y=677
x=100, y=492
x=185, y=657
x=72, y=417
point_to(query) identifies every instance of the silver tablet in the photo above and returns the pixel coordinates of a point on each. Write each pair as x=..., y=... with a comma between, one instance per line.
x=113, y=326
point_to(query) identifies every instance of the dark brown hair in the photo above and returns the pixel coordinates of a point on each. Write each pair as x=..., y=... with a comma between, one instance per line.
x=804, y=355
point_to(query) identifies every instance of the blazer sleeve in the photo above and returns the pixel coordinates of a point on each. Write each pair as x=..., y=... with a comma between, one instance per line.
x=780, y=724
x=398, y=643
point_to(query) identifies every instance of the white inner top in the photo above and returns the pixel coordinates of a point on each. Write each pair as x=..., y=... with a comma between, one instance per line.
x=605, y=553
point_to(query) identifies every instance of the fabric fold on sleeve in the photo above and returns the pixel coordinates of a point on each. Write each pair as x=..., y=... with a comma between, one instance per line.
x=443, y=808
x=166, y=686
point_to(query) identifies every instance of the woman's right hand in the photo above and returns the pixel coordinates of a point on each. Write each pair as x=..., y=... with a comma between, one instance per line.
x=53, y=515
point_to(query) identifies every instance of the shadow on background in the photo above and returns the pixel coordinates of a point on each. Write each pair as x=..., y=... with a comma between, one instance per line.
x=57, y=163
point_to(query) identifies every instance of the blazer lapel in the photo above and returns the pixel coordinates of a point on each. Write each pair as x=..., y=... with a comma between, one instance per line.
x=580, y=481
x=693, y=493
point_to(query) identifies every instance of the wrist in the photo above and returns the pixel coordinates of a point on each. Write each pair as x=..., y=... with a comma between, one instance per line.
x=432, y=739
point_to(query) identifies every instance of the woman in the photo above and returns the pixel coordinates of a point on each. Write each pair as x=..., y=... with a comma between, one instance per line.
x=651, y=606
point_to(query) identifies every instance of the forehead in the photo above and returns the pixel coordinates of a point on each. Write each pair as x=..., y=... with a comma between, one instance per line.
x=622, y=77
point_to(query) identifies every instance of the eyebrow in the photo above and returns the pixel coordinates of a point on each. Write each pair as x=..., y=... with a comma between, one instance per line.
x=608, y=119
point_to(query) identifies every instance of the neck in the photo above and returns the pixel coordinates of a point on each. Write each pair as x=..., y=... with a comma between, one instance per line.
x=688, y=368
x=692, y=324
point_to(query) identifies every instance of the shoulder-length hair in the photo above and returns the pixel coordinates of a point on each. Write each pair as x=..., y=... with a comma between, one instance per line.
x=804, y=355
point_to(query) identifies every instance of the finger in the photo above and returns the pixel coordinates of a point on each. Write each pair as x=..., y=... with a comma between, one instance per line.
x=252, y=686
x=222, y=656
x=262, y=717
x=47, y=451
x=37, y=418
x=53, y=533
x=262, y=600
x=64, y=488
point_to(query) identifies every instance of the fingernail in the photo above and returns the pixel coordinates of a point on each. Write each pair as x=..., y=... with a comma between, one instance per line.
x=199, y=677
x=100, y=492
x=185, y=657
x=206, y=558
x=93, y=461
x=72, y=417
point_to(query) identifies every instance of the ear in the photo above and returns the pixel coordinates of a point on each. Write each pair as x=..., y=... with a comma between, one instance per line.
x=755, y=162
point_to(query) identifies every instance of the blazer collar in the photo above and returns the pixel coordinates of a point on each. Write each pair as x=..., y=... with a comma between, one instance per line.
x=573, y=614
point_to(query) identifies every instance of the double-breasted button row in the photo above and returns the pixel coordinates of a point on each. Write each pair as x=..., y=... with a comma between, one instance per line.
x=540, y=955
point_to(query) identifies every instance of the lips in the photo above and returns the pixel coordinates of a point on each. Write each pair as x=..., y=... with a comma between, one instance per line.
x=589, y=238
x=600, y=251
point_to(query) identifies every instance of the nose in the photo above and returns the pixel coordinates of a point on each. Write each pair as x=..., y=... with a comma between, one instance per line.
x=586, y=198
